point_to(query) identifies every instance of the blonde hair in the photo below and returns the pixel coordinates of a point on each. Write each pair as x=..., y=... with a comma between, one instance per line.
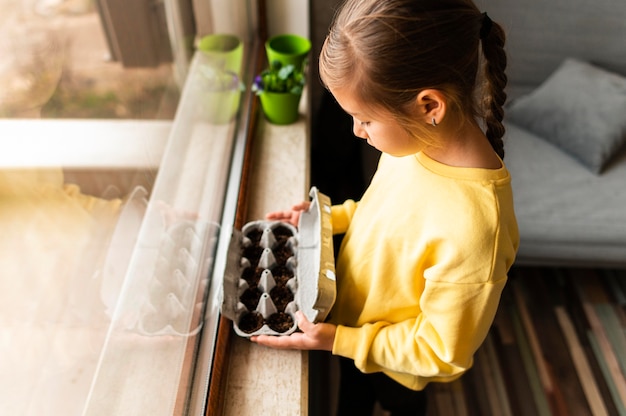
x=387, y=51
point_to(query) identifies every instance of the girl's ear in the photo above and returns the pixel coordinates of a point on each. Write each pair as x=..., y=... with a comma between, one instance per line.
x=431, y=106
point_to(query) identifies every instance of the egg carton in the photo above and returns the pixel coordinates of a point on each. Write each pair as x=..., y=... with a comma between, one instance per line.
x=275, y=269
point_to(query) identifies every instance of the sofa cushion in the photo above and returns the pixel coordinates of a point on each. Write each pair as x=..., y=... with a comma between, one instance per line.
x=566, y=214
x=580, y=108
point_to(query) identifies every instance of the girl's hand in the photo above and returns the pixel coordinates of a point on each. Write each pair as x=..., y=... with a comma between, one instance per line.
x=291, y=216
x=313, y=337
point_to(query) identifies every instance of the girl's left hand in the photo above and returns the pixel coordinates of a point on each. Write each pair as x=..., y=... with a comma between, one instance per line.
x=292, y=215
x=313, y=336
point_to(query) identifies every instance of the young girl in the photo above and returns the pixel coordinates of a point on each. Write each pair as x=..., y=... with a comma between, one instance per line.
x=427, y=249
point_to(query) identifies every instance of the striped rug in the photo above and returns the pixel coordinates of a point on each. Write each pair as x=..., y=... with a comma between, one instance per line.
x=557, y=347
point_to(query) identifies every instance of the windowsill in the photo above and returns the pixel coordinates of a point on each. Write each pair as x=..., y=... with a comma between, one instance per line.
x=262, y=380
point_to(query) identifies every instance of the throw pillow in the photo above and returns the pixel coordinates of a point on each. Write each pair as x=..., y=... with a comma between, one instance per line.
x=580, y=108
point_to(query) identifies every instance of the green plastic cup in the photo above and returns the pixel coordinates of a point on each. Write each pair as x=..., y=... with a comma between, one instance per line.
x=224, y=51
x=288, y=49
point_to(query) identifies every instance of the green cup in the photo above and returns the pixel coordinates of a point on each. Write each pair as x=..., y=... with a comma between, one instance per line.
x=223, y=51
x=288, y=49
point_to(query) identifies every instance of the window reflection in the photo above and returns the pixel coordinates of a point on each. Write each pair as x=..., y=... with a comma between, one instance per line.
x=57, y=63
x=75, y=196
x=68, y=224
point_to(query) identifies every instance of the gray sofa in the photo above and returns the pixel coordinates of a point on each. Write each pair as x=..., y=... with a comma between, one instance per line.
x=569, y=212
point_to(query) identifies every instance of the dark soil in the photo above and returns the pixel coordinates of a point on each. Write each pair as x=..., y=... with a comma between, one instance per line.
x=282, y=274
x=282, y=233
x=250, y=322
x=253, y=254
x=252, y=275
x=281, y=296
x=255, y=235
x=280, y=322
x=250, y=298
x=282, y=253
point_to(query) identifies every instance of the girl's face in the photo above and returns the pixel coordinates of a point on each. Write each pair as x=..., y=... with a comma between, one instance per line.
x=379, y=128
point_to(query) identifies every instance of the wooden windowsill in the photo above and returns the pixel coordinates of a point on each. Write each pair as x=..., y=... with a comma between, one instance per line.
x=261, y=380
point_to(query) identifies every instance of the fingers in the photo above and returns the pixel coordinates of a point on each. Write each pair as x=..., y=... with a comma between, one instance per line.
x=297, y=340
x=303, y=323
x=277, y=215
x=294, y=341
x=291, y=216
x=302, y=206
x=313, y=336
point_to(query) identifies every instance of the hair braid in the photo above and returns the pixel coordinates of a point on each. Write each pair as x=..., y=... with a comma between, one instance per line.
x=496, y=79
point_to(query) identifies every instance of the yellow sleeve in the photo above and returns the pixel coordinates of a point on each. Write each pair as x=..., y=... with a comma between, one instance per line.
x=437, y=345
x=341, y=216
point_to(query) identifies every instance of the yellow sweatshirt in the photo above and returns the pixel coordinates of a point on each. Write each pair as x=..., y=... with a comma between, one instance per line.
x=421, y=268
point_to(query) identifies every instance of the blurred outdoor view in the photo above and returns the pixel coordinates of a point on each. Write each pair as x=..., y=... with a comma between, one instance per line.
x=55, y=63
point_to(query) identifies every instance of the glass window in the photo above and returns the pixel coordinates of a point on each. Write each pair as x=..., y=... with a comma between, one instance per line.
x=113, y=178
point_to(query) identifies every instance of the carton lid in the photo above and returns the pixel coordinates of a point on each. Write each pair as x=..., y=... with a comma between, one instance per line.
x=316, y=260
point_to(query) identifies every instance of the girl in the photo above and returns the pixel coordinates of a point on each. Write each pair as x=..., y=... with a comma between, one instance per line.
x=427, y=249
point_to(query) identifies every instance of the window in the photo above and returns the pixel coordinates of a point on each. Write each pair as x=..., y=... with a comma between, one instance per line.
x=115, y=184
x=110, y=222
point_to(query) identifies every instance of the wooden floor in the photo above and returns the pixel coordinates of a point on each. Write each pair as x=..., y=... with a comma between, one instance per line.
x=557, y=347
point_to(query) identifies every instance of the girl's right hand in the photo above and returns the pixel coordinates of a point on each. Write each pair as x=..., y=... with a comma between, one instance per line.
x=291, y=216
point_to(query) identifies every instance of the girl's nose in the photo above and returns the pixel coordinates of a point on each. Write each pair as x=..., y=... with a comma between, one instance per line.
x=358, y=129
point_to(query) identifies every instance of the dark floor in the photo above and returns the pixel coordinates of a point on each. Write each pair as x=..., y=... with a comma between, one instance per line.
x=557, y=347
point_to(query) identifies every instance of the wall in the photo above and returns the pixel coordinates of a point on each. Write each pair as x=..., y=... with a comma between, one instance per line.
x=288, y=16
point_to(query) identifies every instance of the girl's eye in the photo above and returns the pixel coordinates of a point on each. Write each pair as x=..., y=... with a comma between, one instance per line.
x=365, y=123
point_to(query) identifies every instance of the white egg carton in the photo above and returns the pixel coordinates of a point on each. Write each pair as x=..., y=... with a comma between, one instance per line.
x=275, y=269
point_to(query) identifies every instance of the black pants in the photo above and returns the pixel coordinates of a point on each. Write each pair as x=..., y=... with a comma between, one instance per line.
x=358, y=393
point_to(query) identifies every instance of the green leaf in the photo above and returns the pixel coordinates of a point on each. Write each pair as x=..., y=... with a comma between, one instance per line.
x=279, y=78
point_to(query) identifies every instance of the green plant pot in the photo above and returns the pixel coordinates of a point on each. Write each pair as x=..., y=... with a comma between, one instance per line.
x=280, y=108
x=288, y=49
x=222, y=51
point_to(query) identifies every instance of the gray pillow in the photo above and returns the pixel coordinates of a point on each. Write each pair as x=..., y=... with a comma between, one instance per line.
x=580, y=108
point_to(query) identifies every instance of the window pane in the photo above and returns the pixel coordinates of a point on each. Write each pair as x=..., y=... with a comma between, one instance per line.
x=112, y=181
x=58, y=63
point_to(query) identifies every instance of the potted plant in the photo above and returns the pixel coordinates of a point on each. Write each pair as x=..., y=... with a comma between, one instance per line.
x=279, y=88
